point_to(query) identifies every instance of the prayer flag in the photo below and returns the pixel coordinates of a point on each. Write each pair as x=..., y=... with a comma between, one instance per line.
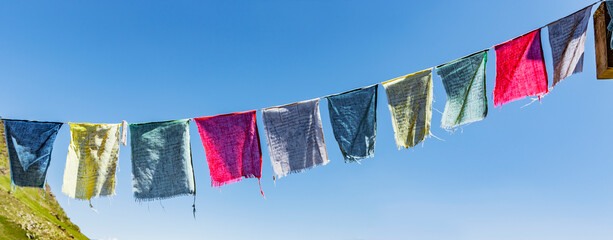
x=29, y=145
x=567, y=39
x=520, y=69
x=410, y=102
x=92, y=160
x=232, y=146
x=295, y=137
x=161, y=160
x=464, y=81
x=353, y=116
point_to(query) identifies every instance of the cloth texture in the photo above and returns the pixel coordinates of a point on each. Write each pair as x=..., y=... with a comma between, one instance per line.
x=464, y=81
x=92, y=160
x=161, y=160
x=567, y=40
x=354, y=122
x=520, y=69
x=29, y=146
x=232, y=146
x=295, y=137
x=410, y=103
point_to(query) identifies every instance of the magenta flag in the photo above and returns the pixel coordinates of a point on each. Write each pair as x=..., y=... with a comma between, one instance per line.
x=232, y=146
x=520, y=69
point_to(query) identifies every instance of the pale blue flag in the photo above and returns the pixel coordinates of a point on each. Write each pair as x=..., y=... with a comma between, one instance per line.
x=464, y=81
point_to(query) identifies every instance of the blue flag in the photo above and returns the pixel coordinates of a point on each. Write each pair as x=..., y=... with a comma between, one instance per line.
x=29, y=145
x=353, y=116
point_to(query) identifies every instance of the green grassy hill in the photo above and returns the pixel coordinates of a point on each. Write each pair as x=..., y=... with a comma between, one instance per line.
x=30, y=213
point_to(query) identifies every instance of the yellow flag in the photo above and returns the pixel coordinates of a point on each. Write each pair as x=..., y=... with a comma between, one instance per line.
x=410, y=102
x=92, y=160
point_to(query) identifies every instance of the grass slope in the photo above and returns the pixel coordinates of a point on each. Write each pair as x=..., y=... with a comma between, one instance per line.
x=30, y=213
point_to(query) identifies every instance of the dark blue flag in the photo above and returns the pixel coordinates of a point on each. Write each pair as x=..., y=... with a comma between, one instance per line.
x=354, y=121
x=29, y=145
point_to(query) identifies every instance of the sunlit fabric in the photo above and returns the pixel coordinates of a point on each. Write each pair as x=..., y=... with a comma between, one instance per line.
x=92, y=160
x=295, y=137
x=567, y=40
x=464, y=81
x=520, y=69
x=161, y=160
x=29, y=146
x=354, y=121
x=232, y=146
x=410, y=103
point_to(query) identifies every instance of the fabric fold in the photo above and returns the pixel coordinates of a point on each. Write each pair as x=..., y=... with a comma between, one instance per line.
x=353, y=116
x=92, y=160
x=567, y=40
x=232, y=146
x=464, y=82
x=520, y=69
x=30, y=144
x=161, y=160
x=295, y=137
x=410, y=102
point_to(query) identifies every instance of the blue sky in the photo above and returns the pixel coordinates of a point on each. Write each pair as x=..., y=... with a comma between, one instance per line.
x=539, y=172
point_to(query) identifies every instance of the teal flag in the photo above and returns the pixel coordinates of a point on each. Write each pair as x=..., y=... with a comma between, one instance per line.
x=354, y=121
x=161, y=160
x=464, y=81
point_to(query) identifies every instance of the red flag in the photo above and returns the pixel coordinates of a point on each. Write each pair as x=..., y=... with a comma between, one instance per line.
x=232, y=146
x=520, y=69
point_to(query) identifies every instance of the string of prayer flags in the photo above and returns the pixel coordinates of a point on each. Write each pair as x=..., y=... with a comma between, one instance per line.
x=410, y=102
x=232, y=146
x=520, y=69
x=353, y=116
x=295, y=137
x=92, y=160
x=567, y=40
x=161, y=160
x=29, y=146
x=464, y=81
x=162, y=164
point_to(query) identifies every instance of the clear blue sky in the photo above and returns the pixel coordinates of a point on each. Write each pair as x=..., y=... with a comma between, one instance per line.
x=540, y=172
